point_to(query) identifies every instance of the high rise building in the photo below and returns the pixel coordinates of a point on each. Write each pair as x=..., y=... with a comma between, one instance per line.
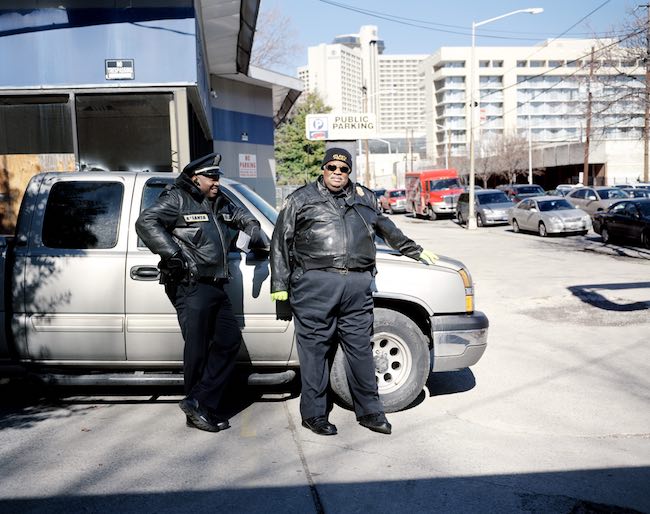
x=352, y=74
x=538, y=92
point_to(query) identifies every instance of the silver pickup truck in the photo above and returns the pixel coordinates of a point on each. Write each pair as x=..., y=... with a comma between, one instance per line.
x=82, y=303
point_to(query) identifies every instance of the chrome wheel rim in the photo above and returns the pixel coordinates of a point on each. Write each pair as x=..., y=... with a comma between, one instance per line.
x=393, y=361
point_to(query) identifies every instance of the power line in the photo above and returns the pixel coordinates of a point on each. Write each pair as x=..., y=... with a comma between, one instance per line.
x=463, y=31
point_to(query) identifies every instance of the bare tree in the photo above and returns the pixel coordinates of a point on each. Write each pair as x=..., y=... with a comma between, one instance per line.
x=487, y=162
x=511, y=156
x=274, y=45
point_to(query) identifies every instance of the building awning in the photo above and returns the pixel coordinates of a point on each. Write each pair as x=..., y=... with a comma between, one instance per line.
x=286, y=90
x=228, y=28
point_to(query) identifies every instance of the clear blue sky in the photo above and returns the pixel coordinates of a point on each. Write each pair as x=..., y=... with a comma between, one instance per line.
x=423, y=26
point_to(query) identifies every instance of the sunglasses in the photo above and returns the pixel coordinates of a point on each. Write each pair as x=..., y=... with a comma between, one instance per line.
x=334, y=167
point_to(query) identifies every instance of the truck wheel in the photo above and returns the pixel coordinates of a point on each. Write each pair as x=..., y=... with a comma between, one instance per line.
x=402, y=362
x=390, y=209
x=431, y=213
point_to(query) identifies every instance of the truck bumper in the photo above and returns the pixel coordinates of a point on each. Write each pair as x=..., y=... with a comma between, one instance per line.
x=459, y=340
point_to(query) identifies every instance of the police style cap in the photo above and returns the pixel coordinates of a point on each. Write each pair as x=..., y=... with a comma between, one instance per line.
x=337, y=154
x=208, y=166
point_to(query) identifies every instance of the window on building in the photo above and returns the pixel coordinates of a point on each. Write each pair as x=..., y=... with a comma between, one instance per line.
x=497, y=64
x=522, y=64
x=483, y=64
x=83, y=215
x=555, y=64
x=124, y=131
x=537, y=64
x=39, y=124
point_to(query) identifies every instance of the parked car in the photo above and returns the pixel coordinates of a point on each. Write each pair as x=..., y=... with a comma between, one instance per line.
x=557, y=192
x=638, y=192
x=627, y=219
x=80, y=302
x=393, y=201
x=548, y=215
x=379, y=192
x=594, y=199
x=491, y=207
x=636, y=185
x=517, y=192
x=567, y=187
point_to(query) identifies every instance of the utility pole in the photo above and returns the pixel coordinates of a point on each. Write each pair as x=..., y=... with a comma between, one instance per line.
x=646, y=118
x=585, y=166
x=366, y=178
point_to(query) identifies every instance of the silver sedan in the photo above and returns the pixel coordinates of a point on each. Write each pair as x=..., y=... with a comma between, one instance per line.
x=548, y=215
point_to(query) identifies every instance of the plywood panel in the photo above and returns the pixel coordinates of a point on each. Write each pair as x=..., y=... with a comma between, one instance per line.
x=15, y=173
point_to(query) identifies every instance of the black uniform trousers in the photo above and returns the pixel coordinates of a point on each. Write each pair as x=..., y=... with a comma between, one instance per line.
x=328, y=307
x=212, y=338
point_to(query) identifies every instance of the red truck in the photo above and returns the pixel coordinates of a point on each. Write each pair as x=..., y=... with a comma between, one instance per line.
x=432, y=192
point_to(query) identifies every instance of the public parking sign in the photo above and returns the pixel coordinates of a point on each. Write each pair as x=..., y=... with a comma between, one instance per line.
x=340, y=127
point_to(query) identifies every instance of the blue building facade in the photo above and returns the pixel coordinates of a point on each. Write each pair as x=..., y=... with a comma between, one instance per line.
x=140, y=88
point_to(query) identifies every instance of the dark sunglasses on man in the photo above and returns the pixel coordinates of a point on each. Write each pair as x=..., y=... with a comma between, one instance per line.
x=334, y=167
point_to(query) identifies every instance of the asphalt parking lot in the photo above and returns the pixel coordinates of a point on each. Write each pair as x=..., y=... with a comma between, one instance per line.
x=554, y=418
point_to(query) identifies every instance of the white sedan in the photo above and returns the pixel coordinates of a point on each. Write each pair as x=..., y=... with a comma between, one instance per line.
x=548, y=215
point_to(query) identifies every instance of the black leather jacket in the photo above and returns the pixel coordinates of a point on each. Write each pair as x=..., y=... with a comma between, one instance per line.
x=314, y=232
x=183, y=219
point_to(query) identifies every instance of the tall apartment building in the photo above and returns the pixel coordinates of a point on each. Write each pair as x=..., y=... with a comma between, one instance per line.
x=353, y=75
x=541, y=88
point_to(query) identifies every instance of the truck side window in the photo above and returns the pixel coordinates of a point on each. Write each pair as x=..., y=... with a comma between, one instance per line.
x=150, y=194
x=83, y=215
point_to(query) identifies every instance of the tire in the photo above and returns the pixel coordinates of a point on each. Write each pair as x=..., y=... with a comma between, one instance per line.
x=432, y=215
x=541, y=229
x=515, y=227
x=459, y=215
x=480, y=222
x=390, y=209
x=604, y=234
x=402, y=362
x=583, y=232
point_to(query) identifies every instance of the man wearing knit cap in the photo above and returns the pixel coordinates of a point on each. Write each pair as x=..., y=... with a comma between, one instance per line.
x=323, y=261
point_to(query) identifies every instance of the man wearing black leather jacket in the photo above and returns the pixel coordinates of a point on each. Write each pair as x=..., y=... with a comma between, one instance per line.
x=188, y=228
x=323, y=260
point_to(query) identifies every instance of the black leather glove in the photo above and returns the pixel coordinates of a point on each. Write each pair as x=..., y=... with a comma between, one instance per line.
x=174, y=268
x=259, y=240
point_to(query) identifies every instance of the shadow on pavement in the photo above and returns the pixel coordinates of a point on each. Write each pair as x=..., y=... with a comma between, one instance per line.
x=451, y=382
x=588, y=293
x=589, y=491
x=26, y=402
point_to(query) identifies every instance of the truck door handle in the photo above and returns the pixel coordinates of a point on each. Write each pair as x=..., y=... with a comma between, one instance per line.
x=144, y=273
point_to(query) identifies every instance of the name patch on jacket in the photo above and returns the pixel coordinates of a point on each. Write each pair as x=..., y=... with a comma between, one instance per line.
x=190, y=218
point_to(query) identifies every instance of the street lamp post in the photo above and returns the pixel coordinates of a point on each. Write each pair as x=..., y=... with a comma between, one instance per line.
x=471, y=221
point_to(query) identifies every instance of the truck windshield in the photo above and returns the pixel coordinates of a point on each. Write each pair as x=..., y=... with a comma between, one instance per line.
x=265, y=208
x=443, y=183
x=399, y=193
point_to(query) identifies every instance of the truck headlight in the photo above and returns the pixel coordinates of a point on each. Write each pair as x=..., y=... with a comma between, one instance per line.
x=469, y=289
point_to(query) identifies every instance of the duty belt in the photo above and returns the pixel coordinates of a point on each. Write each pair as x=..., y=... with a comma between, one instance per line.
x=345, y=271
